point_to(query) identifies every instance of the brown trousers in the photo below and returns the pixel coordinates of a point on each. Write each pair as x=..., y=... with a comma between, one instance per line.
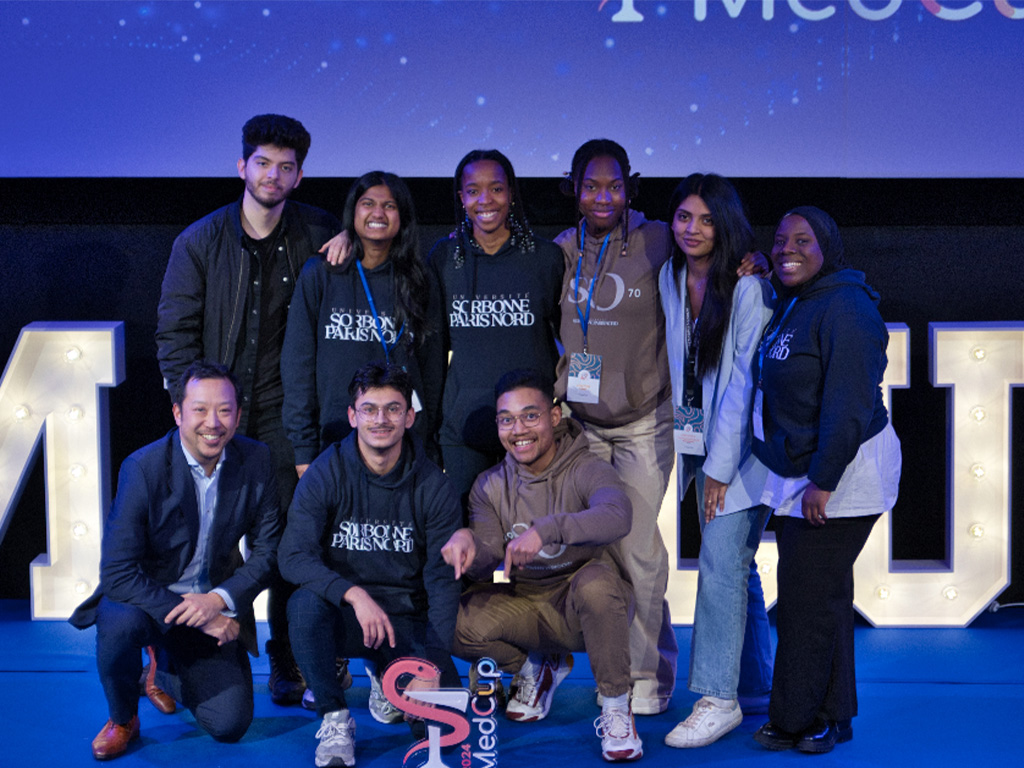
x=589, y=611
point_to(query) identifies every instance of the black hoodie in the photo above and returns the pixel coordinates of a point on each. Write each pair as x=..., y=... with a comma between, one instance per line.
x=349, y=527
x=820, y=377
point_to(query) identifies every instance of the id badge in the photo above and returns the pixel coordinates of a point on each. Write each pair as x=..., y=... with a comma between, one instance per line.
x=756, y=415
x=416, y=404
x=688, y=430
x=584, y=378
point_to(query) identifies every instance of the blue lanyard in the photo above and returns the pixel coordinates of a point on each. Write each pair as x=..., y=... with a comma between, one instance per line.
x=585, y=318
x=771, y=332
x=376, y=318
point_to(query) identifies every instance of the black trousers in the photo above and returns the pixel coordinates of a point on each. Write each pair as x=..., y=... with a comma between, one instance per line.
x=321, y=632
x=267, y=427
x=213, y=682
x=814, y=660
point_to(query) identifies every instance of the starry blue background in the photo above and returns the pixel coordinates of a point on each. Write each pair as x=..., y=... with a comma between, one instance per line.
x=156, y=89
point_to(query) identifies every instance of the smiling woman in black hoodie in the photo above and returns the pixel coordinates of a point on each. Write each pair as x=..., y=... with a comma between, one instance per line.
x=497, y=286
x=372, y=307
x=821, y=427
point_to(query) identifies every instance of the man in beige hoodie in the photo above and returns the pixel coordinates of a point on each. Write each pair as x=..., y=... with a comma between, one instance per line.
x=548, y=512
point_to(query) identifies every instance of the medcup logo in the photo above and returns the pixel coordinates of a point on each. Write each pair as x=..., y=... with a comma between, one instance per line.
x=440, y=707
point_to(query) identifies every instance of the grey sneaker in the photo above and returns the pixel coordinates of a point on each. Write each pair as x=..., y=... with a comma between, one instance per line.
x=337, y=747
x=381, y=710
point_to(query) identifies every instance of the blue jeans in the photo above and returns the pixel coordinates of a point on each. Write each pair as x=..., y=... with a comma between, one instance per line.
x=731, y=651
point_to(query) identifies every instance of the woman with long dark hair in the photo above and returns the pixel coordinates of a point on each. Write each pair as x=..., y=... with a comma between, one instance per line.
x=820, y=425
x=714, y=321
x=373, y=307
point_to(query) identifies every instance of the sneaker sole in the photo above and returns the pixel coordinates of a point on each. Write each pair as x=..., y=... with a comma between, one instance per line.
x=683, y=743
x=640, y=708
x=623, y=756
x=395, y=717
x=335, y=762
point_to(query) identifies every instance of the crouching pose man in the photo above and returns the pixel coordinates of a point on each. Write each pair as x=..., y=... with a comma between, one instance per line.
x=548, y=511
x=363, y=544
x=172, y=575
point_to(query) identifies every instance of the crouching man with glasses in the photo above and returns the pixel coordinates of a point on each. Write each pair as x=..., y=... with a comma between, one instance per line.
x=363, y=544
x=548, y=512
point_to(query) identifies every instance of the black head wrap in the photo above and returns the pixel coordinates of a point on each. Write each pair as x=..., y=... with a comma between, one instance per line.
x=827, y=233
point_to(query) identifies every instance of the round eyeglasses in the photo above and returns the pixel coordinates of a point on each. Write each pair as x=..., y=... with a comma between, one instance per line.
x=528, y=419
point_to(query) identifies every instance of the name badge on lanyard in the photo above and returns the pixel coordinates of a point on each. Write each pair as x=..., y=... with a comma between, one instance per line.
x=584, y=378
x=584, y=385
x=688, y=430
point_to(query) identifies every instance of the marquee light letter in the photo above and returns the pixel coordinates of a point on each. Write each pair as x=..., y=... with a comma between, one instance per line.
x=56, y=380
x=979, y=362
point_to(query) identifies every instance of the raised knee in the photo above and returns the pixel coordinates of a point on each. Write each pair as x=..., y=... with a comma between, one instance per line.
x=227, y=729
x=597, y=587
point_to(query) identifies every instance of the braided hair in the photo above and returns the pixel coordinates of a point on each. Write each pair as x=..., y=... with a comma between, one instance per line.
x=521, y=235
x=571, y=186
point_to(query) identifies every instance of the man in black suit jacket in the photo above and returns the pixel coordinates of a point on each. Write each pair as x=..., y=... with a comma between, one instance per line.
x=171, y=573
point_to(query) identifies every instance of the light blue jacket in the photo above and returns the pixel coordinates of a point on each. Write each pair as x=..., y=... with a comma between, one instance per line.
x=728, y=390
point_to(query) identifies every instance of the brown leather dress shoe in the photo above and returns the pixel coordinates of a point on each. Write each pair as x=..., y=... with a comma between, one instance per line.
x=112, y=741
x=157, y=695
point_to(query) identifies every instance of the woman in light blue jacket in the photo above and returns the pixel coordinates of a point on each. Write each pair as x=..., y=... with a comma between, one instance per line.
x=714, y=321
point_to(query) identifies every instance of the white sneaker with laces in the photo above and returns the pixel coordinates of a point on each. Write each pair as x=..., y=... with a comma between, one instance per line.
x=706, y=724
x=619, y=740
x=381, y=710
x=538, y=679
x=337, y=747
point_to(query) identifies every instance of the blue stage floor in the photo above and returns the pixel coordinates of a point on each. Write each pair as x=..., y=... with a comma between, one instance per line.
x=928, y=697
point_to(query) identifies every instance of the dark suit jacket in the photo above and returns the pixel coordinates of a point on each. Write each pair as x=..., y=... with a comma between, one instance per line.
x=150, y=535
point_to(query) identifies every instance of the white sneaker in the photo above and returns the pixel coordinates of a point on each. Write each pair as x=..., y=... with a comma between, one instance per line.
x=706, y=724
x=381, y=710
x=538, y=679
x=619, y=739
x=337, y=747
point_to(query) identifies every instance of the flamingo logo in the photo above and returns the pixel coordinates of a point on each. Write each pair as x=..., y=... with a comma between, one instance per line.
x=440, y=707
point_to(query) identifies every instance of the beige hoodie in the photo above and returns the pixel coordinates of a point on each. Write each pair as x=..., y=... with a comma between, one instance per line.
x=627, y=326
x=578, y=505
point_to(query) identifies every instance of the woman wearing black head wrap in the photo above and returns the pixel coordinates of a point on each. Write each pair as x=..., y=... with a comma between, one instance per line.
x=821, y=427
